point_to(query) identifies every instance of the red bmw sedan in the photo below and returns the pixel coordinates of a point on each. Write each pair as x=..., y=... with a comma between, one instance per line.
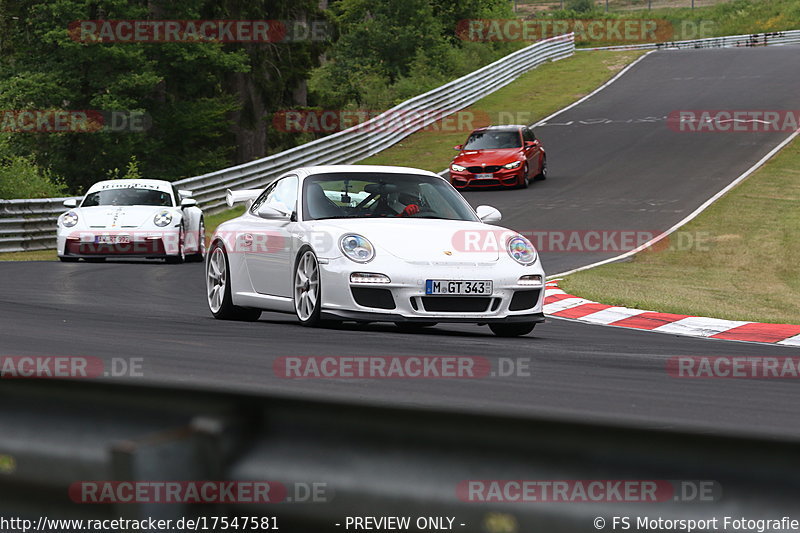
x=505, y=156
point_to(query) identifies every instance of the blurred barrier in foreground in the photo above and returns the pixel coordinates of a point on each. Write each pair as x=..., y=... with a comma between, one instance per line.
x=336, y=460
x=30, y=224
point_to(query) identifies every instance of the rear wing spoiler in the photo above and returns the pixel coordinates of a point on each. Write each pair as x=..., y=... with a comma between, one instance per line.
x=237, y=197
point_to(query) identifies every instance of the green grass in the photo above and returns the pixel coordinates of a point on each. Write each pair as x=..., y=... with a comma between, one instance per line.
x=746, y=267
x=532, y=97
x=725, y=18
x=212, y=221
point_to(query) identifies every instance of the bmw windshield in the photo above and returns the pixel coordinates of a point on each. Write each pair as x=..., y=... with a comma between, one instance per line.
x=327, y=196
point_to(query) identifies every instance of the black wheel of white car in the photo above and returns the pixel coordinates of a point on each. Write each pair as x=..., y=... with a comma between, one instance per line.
x=181, y=256
x=513, y=329
x=200, y=254
x=67, y=259
x=218, y=289
x=307, y=289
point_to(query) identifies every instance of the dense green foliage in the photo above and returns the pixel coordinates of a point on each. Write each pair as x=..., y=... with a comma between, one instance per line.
x=201, y=99
x=391, y=50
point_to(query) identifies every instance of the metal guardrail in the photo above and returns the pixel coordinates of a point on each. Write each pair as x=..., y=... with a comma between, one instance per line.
x=375, y=461
x=30, y=224
x=729, y=41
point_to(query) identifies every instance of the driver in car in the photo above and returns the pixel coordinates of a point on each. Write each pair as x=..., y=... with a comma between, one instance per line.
x=405, y=202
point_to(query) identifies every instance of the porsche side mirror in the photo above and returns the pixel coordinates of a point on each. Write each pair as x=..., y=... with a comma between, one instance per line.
x=72, y=202
x=488, y=214
x=274, y=210
x=188, y=202
x=458, y=147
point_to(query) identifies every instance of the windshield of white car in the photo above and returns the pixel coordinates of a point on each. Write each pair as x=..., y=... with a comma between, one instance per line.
x=128, y=196
x=493, y=140
x=363, y=195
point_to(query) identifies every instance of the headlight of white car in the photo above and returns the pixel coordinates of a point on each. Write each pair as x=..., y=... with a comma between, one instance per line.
x=163, y=218
x=521, y=250
x=514, y=164
x=70, y=219
x=457, y=168
x=357, y=248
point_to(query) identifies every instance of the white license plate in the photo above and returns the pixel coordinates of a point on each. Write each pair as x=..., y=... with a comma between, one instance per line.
x=484, y=176
x=112, y=239
x=458, y=287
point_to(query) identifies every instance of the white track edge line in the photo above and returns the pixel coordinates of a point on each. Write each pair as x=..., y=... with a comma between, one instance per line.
x=692, y=215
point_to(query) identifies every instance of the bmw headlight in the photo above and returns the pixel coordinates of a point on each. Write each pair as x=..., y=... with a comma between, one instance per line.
x=515, y=164
x=163, y=218
x=457, y=168
x=521, y=250
x=70, y=219
x=357, y=248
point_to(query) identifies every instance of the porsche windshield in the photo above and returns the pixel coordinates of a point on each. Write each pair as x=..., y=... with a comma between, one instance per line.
x=128, y=196
x=382, y=195
x=493, y=140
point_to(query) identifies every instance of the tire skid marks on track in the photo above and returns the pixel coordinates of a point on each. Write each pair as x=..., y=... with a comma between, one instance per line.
x=559, y=304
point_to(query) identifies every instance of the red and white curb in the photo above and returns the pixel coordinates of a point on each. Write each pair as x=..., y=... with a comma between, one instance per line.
x=559, y=304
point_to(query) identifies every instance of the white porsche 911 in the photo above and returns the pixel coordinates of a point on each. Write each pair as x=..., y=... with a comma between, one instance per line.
x=372, y=244
x=132, y=218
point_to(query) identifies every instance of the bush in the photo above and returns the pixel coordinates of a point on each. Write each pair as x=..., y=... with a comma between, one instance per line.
x=21, y=178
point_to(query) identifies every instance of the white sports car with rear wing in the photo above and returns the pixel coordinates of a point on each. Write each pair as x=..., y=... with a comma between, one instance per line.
x=132, y=218
x=372, y=244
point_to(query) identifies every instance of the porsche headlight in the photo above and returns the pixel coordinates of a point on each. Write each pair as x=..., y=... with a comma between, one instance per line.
x=357, y=248
x=70, y=219
x=163, y=218
x=521, y=250
x=457, y=168
x=515, y=164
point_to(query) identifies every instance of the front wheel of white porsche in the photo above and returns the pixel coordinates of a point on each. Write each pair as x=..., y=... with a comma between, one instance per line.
x=200, y=253
x=307, y=289
x=181, y=255
x=218, y=289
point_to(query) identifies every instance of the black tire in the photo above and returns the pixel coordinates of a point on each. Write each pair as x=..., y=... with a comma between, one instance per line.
x=307, y=288
x=199, y=256
x=525, y=180
x=181, y=257
x=541, y=176
x=511, y=329
x=223, y=308
x=95, y=259
x=413, y=327
x=68, y=259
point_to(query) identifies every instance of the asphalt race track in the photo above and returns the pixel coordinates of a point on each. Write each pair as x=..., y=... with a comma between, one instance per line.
x=609, y=175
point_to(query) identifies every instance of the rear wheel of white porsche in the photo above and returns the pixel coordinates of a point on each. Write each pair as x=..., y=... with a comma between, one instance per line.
x=512, y=329
x=218, y=289
x=307, y=289
x=181, y=256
